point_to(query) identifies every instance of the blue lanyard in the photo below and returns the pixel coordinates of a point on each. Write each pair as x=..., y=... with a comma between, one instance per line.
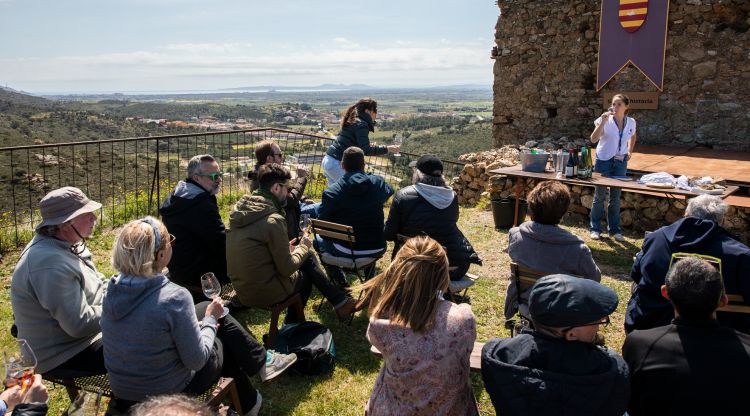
x=620, y=132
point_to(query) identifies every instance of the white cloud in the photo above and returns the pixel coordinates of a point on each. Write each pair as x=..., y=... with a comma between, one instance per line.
x=345, y=43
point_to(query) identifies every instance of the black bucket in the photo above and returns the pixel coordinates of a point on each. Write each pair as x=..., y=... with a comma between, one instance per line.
x=503, y=210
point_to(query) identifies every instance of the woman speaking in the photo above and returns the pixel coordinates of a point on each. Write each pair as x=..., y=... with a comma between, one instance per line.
x=615, y=138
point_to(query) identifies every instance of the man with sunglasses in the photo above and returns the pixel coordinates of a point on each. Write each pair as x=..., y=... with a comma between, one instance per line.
x=693, y=366
x=191, y=214
x=557, y=368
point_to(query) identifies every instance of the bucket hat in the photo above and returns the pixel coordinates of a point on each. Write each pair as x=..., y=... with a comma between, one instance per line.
x=64, y=204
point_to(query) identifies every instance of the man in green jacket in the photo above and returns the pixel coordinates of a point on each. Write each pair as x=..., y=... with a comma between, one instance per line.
x=264, y=266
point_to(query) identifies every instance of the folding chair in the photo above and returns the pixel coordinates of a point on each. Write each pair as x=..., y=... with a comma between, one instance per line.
x=523, y=278
x=359, y=266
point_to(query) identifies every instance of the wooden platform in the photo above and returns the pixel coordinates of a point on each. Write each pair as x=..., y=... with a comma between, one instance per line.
x=692, y=161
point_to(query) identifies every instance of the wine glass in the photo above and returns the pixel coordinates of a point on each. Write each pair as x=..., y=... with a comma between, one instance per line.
x=398, y=140
x=212, y=288
x=20, y=363
x=305, y=223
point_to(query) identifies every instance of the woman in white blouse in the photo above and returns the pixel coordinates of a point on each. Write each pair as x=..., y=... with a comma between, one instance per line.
x=615, y=137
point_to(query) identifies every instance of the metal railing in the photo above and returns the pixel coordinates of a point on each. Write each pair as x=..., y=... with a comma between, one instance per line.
x=131, y=177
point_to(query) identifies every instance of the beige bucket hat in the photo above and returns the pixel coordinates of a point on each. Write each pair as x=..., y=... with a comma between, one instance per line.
x=64, y=204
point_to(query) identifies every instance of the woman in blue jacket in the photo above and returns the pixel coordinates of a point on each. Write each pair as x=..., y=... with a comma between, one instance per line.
x=356, y=124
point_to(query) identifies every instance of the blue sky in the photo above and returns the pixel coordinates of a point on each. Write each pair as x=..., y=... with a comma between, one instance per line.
x=145, y=45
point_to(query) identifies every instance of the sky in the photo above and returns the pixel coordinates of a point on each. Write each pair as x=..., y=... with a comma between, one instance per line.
x=80, y=46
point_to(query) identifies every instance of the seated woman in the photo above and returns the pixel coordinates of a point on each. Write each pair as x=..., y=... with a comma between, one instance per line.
x=153, y=342
x=430, y=207
x=542, y=245
x=426, y=341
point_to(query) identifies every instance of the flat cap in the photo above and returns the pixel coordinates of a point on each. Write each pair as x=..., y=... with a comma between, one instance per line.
x=561, y=300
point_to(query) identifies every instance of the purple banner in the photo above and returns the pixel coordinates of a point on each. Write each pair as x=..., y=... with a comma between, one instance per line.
x=644, y=47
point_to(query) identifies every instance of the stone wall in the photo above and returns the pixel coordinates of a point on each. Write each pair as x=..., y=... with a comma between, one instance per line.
x=545, y=74
x=651, y=212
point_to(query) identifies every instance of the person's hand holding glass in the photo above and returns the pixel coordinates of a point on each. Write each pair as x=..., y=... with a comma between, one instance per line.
x=212, y=289
x=20, y=363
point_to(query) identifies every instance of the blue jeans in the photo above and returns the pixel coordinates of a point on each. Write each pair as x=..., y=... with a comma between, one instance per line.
x=332, y=169
x=611, y=167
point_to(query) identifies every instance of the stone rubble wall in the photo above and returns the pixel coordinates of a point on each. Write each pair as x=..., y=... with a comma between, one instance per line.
x=545, y=74
x=638, y=211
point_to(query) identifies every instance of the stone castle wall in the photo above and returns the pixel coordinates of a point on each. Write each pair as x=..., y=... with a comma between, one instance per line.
x=545, y=74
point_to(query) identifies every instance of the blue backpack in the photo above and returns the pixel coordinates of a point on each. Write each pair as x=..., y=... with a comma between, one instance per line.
x=313, y=344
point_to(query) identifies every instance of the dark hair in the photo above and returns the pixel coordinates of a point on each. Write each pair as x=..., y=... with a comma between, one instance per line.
x=419, y=177
x=624, y=98
x=173, y=405
x=349, y=116
x=353, y=159
x=271, y=174
x=548, y=202
x=694, y=287
x=263, y=149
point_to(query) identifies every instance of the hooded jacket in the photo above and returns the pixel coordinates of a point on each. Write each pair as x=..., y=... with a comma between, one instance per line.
x=191, y=214
x=260, y=265
x=356, y=134
x=534, y=374
x=647, y=308
x=153, y=343
x=357, y=200
x=562, y=252
x=431, y=210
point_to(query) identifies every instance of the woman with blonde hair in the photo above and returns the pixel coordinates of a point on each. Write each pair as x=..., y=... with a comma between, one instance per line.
x=425, y=340
x=153, y=341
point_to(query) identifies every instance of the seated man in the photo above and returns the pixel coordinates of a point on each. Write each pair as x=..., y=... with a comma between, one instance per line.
x=542, y=245
x=191, y=214
x=693, y=366
x=556, y=369
x=431, y=207
x=265, y=267
x=56, y=291
x=267, y=151
x=356, y=200
x=698, y=232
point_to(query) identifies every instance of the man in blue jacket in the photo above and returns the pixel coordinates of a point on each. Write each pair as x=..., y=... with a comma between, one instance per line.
x=699, y=232
x=356, y=200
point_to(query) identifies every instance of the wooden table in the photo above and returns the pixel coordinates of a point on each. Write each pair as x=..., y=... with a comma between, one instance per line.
x=596, y=180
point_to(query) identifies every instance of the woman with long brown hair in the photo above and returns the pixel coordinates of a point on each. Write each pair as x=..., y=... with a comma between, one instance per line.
x=357, y=121
x=425, y=340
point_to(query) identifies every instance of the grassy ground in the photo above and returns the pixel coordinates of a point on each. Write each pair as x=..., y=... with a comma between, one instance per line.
x=346, y=390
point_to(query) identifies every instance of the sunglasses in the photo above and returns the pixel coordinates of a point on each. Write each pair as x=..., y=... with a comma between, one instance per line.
x=713, y=261
x=171, y=239
x=281, y=155
x=215, y=176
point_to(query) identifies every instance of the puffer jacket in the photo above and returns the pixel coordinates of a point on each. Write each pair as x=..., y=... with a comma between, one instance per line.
x=432, y=210
x=259, y=263
x=534, y=374
x=356, y=134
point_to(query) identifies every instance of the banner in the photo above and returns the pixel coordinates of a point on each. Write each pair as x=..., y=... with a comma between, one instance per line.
x=632, y=31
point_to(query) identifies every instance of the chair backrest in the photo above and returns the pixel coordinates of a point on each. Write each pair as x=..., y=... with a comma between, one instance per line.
x=736, y=305
x=333, y=230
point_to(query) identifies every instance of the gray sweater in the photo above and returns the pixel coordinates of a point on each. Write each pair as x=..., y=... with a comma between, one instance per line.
x=57, y=301
x=547, y=248
x=153, y=343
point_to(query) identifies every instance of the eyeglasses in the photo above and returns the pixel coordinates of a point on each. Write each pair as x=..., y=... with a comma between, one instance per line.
x=281, y=155
x=171, y=239
x=604, y=322
x=714, y=261
x=215, y=176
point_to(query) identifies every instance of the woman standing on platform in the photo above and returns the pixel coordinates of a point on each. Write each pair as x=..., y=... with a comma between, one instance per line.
x=615, y=137
x=356, y=124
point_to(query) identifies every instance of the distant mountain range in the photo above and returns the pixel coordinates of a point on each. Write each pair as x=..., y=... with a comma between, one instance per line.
x=352, y=87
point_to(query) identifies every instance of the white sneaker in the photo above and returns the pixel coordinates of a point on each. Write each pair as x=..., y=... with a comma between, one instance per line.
x=595, y=235
x=256, y=409
x=619, y=237
x=278, y=364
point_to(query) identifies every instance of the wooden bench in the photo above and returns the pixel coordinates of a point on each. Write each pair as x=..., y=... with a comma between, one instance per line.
x=475, y=360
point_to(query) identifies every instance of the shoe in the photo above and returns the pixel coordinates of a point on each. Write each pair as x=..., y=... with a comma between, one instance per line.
x=346, y=310
x=619, y=237
x=256, y=409
x=595, y=235
x=278, y=364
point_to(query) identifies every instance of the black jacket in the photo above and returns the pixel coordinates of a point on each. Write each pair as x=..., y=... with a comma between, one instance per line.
x=533, y=374
x=191, y=214
x=30, y=409
x=356, y=134
x=688, y=368
x=411, y=214
x=357, y=200
x=647, y=308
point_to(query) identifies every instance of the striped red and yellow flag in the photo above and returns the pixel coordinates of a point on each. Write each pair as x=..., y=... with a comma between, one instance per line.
x=633, y=14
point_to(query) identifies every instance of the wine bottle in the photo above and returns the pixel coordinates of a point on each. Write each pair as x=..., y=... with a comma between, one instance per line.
x=570, y=166
x=575, y=162
x=582, y=168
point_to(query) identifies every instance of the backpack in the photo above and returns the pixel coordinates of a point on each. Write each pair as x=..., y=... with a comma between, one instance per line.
x=313, y=344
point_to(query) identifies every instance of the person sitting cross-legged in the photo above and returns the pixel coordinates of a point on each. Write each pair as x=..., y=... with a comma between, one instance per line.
x=153, y=341
x=556, y=369
x=356, y=200
x=430, y=207
x=542, y=245
x=265, y=267
x=693, y=366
